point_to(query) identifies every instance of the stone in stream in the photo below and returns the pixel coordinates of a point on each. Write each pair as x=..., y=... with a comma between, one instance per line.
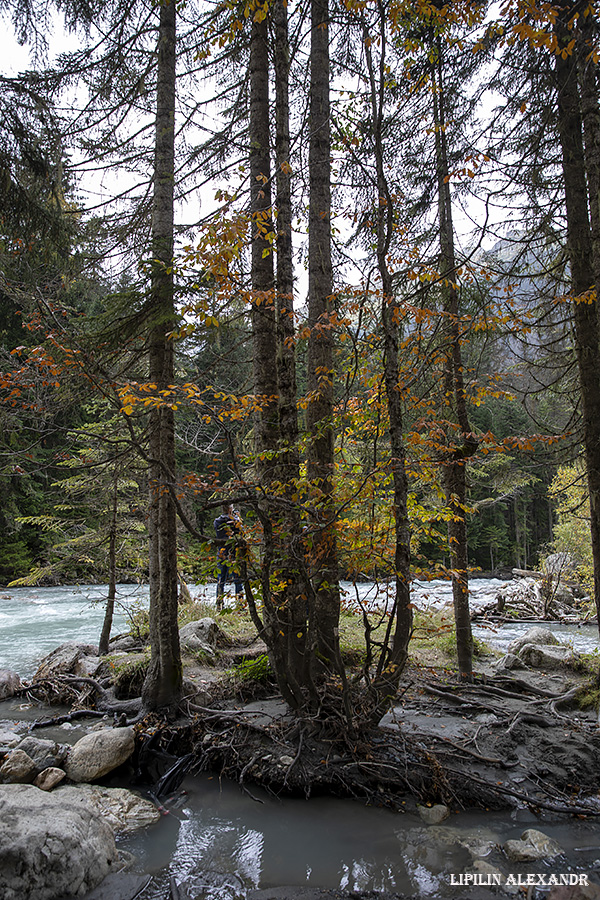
x=10, y=683
x=44, y=753
x=49, y=778
x=17, y=768
x=433, y=815
x=536, y=635
x=9, y=740
x=533, y=846
x=66, y=660
x=124, y=810
x=50, y=847
x=98, y=753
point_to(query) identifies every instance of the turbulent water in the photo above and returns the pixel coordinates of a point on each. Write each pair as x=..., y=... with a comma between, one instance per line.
x=266, y=841
x=33, y=621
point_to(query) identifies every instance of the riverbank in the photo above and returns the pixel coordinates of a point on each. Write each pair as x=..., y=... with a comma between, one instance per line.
x=515, y=740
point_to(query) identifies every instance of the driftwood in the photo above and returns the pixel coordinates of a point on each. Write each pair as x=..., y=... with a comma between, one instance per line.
x=103, y=701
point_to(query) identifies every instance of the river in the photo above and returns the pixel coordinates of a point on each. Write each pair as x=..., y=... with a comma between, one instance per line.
x=267, y=841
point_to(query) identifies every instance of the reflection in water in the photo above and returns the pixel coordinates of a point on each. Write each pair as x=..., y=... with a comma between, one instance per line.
x=323, y=842
x=338, y=844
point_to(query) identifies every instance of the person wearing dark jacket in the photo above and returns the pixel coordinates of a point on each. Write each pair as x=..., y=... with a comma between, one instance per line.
x=228, y=527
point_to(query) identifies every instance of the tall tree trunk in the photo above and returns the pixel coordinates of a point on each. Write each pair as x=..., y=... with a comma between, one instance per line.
x=455, y=476
x=162, y=686
x=324, y=604
x=584, y=275
x=393, y=657
x=291, y=545
x=265, y=349
x=112, y=572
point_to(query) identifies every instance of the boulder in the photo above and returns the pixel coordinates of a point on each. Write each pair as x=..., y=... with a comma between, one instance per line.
x=17, y=768
x=508, y=662
x=562, y=565
x=45, y=754
x=123, y=810
x=539, y=657
x=433, y=815
x=10, y=683
x=536, y=635
x=9, y=740
x=491, y=873
x=125, y=643
x=98, y=753
x=49, y=847
x=200, y=635
x=49, y=778
x=533, y=846
x=65, y=660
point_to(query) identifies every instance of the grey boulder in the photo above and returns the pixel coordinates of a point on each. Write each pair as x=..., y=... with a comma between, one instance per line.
x=17, y=768
x=123, y=810
x=533, y=846
x=49, y=847
x=540, y=657
x=44, y=753
x=49, y=778
x=98, y=753
x=200, y=635
x=537, y=635
x=10, y=683
x=66, y=660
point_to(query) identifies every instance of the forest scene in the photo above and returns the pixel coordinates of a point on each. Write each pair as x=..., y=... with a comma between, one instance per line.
x=299, y=332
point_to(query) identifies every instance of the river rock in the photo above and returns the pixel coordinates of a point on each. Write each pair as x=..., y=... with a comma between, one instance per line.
x=17, y=768
x=120, y=808
x=479, y=847
x=45, y=754
x=9, y=740
x=125, y=643
x=49, y=778
x=536, y=635
x=49, y=847
x=539, y=657
x=98, y=753
x=10, y=683
x=562, y=565
x=65, y=660
x=481, y=867
x=200, y=635
x=433, y=815
x=533, y=846
x=509, y=662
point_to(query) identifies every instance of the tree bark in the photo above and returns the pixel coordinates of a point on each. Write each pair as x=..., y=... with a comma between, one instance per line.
x=291, y=547
x=162, y=686
x=455, y=477
x=267, y=351
x=393, y=657
x=324, y=603
x=112, y=573
x=584, y=274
